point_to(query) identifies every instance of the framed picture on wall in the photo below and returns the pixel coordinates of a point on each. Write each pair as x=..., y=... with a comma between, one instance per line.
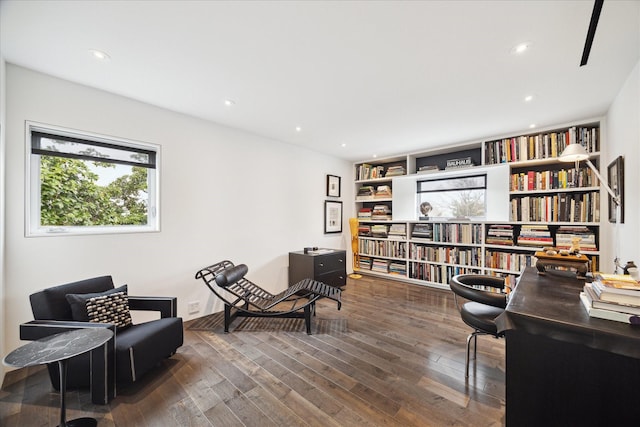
x=332, y=217
x=615, y=178
x=333, y=186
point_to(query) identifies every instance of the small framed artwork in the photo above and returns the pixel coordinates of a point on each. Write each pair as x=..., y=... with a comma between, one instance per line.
x=333, y=186
x=615, y=178
x=332, y=217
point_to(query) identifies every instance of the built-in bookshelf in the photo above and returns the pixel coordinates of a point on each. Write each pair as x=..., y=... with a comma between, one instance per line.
x=550, y=203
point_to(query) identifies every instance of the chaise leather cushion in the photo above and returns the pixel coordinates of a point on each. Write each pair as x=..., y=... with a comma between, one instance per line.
x=111, y=306
x=231, y=275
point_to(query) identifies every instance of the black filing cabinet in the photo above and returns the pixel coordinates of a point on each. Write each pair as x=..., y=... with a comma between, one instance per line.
x=328, y=266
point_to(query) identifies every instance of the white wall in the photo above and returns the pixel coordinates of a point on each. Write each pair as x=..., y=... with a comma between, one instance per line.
x=225, y=194
x=623, y=139
x=2, y=228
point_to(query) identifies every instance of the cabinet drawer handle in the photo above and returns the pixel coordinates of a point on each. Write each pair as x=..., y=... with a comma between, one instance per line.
x=321, y=265
x=341, y=260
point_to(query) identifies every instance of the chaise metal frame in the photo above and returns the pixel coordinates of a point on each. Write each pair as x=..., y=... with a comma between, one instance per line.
x=243, y=298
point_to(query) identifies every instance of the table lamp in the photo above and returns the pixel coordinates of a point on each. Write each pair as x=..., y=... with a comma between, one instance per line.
x=577, y=153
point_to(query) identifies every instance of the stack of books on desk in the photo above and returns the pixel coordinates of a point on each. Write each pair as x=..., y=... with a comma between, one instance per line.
x=613, y=297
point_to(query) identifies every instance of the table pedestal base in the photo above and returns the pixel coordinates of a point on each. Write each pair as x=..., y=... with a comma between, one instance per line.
x=81, y=422
x=78, y=422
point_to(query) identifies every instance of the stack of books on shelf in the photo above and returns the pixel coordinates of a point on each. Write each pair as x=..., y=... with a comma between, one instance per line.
x=566, y=234
x=380, y=265
x=535, y=235
x=367, y=171
x=366, y=192
x=428, y=169
x=364, y=213
x=398, y=231
x=398, y=267
x=613, y=297
x=365, y=263
x=381, y=213
x=395, y=171
x=500, y=234
x=422, y=231
x=364, y=230
x=379, y=230
x=383, y=192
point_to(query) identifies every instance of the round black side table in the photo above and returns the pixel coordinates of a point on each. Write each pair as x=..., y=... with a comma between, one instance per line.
x=60, y=348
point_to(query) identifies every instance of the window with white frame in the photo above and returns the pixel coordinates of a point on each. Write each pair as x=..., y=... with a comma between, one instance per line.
x=82, y=183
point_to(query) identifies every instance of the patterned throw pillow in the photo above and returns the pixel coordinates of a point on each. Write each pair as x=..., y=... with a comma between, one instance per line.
x=111, y=306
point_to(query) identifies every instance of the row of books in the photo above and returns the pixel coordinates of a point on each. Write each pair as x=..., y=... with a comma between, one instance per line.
x=386, y=248
x=552, y=179
x=530, y=235
x=448, y=232
x=511, y=261
x=450, y=255
x=563, y=207
x=367, y=171
x=437, y=273
x=612, y=297
x=369, y=192
x=541, y=146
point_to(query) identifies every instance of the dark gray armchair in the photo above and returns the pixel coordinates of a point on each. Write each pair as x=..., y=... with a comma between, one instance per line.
x=134, y=350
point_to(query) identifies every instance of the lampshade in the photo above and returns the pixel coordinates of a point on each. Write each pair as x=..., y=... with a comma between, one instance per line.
x=574, y=153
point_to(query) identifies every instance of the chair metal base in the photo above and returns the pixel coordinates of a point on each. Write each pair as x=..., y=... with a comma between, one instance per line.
x=473, y=335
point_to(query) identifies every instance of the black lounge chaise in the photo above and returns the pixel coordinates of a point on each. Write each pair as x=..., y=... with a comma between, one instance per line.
x=250, y=300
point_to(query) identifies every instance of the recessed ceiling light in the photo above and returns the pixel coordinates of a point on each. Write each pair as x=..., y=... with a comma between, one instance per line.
x=375, y=155
x=528, y=98
x=532, y=125
x=343, y=145
x=298, y=129
x=229, y=102
x=98, y=54
x=521, y=48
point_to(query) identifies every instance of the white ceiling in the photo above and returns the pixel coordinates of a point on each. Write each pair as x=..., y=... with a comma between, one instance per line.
x=382, y=77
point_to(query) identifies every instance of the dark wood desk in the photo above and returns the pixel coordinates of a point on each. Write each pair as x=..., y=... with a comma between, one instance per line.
x=563, y=367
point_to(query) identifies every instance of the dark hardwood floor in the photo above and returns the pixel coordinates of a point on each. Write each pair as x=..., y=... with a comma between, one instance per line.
x=393, y=356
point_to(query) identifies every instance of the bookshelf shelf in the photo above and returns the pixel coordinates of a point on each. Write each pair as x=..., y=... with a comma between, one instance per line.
x=550, y=202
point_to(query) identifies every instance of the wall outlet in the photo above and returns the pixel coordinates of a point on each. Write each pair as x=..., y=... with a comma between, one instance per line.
x=193, y=307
